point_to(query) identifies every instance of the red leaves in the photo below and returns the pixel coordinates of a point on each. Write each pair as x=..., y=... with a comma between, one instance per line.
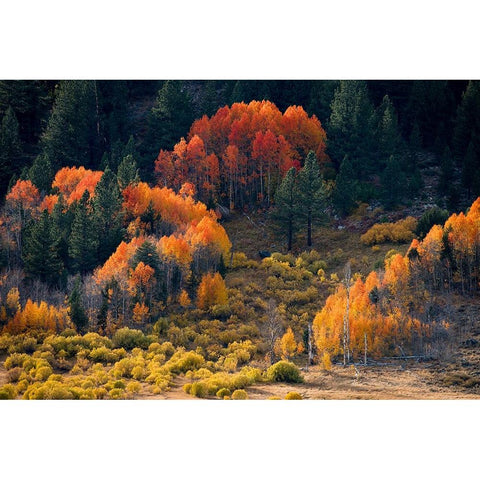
x=242, y=150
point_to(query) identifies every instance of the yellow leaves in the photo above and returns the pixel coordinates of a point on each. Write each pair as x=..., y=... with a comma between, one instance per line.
x=39, y=316
x=211, y=291
x=400, y=232
x=176, y=247
x=13, y=300
x=184, y=299
x=286, y=346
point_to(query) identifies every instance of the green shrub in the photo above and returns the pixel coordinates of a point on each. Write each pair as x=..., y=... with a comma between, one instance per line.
x=239, y=395
x=116, y=394
x=105, y=355
x=182, y=361
x=8, y=392
x=293, y=396
x=130, y=338
x=42, y=373
x=433, y=216
x=50, y=390
x=223, y=392
x=133, y=387
x=119, y=384
x=284, y=371
x=199, y=389
x=15, y=360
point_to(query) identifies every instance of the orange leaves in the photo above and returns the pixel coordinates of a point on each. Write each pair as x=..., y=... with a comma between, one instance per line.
x=208, y=232
x=141, y=276
x=24, y=194
x=140, y=312
x=177, y=248
x=48, y=203
x=39, y=316
x=116, y=267
x=211, y=291
x=73, y=182
x=397, y=273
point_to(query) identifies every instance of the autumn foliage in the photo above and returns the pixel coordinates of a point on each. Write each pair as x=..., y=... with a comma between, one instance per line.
x=211, y=291
x=242, y=152
x=388, y=313
x=38, y=316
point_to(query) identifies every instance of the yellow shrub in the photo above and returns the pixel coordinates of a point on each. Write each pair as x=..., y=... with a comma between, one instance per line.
x=293, y=396
x=399, y=232
x=239, y=395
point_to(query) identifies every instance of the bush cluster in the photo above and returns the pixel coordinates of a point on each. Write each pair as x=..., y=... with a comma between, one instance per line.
x=284, y=371
x=398, y=232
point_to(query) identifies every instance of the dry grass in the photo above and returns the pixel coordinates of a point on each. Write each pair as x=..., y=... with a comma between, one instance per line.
x=253, y=233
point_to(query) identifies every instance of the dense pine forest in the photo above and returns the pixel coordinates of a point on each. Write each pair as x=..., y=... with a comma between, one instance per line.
x=226, y=239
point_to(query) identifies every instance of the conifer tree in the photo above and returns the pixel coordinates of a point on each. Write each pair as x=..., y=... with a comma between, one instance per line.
x=10, y=147
x=41, y=173
x=72, y=135
x=447, y=172
x=127, y=172
x=351, y=126
x=389, y=138
x=311, y=193
x=393, y=182
x=83, y=241
x=285, y=212
x=467, y=123
x=62, y=219
x=470, y=170
x=107, y=205
x=77, y=312
x=170, y=118
x=40, y=253
x=346, y=187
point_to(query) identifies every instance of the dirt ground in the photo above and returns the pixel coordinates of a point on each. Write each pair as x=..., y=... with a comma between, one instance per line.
x=408, y=382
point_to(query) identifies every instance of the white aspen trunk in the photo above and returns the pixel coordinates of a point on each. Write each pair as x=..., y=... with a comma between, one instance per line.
x=346, y=327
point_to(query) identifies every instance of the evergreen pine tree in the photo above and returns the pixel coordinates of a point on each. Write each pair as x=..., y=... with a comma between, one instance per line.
x=470, y=170
x=77, y=311
x=447, y=172
x=389, y=138
x=62, y=219
x=72, y=135
x=415, y=139
x=351, y=127
x=40, y=253
x=41, y=173
x=146, y=253
x=10, y=148
x=467, y=122
x=83, y=241
x=393, y=183
x=346, y=188
x=285, y=212
x=107, y=211
x=127, y=172
x=311, y=193
x=169, y=119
